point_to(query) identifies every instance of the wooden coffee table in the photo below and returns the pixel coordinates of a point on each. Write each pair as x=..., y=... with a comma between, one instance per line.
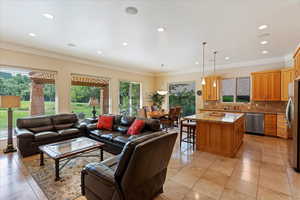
x=68, y=150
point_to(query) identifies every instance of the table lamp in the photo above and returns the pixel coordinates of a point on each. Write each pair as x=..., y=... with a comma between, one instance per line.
x=9, y=102
x=94, y=102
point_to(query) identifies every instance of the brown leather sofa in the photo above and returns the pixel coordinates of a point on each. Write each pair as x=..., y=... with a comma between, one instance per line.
x=116, y=139
x=139, y=172
x=35, y=131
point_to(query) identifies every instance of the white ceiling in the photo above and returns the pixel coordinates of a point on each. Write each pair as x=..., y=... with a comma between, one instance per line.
x=229, y=26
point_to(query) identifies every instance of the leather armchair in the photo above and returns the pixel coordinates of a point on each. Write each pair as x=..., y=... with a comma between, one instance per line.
x=139, y=172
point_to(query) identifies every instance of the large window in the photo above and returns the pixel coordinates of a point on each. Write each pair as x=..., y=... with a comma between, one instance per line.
x=85, y=87
x=235, y=89
x=80, y=96
x=183, y=95
x=129, y=97
x=36, y=91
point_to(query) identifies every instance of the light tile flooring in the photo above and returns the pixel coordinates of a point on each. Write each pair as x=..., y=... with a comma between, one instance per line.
x=260, y=171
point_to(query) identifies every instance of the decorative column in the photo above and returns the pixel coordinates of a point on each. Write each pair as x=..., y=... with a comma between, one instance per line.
x=101, y=101
x=105, y=100
x=37, y=103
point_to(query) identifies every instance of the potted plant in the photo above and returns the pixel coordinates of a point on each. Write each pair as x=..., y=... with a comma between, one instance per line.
x=157, y=99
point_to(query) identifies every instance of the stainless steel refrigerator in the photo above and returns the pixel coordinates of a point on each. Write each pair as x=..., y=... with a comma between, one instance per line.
x=292, y=117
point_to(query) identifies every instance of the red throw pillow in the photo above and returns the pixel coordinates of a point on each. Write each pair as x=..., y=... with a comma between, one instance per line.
x=105, y=122
x=136, y=127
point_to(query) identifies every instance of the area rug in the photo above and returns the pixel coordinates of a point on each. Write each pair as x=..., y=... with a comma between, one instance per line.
x=68, y=188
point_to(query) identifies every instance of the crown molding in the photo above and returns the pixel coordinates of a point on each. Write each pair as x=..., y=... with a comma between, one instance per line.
x=274, y=60
x=50, y=54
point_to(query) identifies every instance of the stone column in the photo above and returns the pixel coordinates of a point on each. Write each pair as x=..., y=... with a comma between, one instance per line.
x=101, y=102
x=37, y=103
x=105, y=100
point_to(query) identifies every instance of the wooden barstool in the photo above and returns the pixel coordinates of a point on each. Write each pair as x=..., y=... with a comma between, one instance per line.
x=190, y=130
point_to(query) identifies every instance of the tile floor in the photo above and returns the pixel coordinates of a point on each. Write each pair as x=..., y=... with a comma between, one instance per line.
x=260, y=171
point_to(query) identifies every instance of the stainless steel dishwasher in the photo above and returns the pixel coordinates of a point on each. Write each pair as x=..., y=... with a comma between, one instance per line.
x=255, y=123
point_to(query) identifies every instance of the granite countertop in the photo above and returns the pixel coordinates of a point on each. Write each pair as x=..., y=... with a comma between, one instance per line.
x=228, y=118
x=243, y=111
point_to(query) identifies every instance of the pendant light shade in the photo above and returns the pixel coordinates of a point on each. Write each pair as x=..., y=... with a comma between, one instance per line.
x=215, y=55
x=203, y=63
x=162, y=92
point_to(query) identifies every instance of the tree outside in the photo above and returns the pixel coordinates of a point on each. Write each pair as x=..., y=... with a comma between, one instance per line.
x=183, y=95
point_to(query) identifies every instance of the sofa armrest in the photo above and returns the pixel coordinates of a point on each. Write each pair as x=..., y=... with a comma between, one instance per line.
x=81, y=125
x=24, y=133
x=100, y=171
x=112, y=161
x=91, y=126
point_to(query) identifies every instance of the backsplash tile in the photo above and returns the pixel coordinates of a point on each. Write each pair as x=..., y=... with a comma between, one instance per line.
x=278, y=106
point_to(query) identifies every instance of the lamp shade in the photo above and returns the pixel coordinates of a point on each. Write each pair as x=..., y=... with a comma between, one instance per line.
x=10, y=101
x=93, y=101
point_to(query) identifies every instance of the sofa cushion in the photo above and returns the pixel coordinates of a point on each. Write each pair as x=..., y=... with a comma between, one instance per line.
x=122, y=129
x=63, y=121
x=123, y=139
x=127, y=120
x=35, y=124
x=64, y=126
x=110, y=136
x=136, y=127
x=69, y=131
x=105, y=122
x=41, y=136
x=41, y=129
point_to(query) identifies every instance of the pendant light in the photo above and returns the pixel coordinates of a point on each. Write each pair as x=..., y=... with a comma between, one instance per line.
x=215, y=55
x=203, y=63
x=162, y=92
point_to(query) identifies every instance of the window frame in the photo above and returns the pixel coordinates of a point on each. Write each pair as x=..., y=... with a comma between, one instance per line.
x=235, y=90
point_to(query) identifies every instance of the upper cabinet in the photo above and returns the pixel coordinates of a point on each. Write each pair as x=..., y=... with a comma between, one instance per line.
x=297, y=63
x=211, y=93
x=287, y=76
x=266, y=86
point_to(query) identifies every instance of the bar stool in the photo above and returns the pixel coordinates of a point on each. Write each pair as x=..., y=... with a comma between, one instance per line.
x=190, y=130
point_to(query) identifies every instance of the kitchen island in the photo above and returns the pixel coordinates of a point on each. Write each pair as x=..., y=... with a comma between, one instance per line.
x=222, y=135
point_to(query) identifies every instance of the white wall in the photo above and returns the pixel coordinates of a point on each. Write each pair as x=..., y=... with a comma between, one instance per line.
x=65, y=68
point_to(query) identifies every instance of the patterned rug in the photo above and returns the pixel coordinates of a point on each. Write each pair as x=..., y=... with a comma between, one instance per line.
x=68, y=188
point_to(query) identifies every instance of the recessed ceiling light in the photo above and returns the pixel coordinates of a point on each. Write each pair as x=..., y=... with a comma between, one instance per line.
x=262, y=27
x=48, y=16
x=227, y=58
x=32, y=34
x=131, y=10
x=161, y=29
x=125, y=44
x=71, y=45
x=264, y=42
x=264, y=52
x=99, y=52
x=197, y=63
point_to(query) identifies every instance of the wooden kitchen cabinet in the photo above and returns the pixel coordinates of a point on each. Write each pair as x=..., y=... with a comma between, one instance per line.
x=266, y=86
x=297, y=63
x=270, y=124
x=287, y=76
x=282, y=129
x=211, y=93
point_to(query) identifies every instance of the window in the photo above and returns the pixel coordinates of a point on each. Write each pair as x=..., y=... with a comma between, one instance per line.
x=129, y=97
x=228, y=90
x=36, y=89
x=183, y=95
x=85, y=87
x=243, y=89
x=236, y=89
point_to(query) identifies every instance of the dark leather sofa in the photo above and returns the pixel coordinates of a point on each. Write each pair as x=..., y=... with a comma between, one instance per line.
x=35, y=131
x=139, y=172
x=116, y=139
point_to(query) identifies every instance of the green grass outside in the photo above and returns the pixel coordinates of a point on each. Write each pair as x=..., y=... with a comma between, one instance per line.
x=23, y=111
